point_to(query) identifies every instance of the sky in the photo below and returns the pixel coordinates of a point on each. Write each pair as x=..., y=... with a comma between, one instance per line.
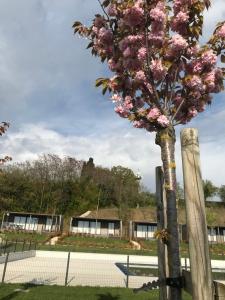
x=48, y=94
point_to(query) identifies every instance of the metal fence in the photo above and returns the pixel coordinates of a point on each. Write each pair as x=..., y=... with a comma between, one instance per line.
x=16, y=246
x=86, y=269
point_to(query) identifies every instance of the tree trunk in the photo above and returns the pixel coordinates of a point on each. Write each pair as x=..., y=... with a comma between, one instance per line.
x=166, y=140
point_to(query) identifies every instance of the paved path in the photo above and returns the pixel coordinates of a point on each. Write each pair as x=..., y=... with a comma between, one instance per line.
x=90, y=269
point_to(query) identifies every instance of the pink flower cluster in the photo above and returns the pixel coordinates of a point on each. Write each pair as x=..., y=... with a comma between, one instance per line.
x=142, y=53
x=134, y=16
x=122, y=111
x=105, y=36
x=194, y=83
x=212, y=80
x=158, y=70
x=112, y=10
x=139, y=124
x=147, y=70
x=153, y=114
x=163, y=121
x=221, y=32
x=157, y=14
x=179, y=22
x=178, y=43
x=209, y=58
x=140, y=76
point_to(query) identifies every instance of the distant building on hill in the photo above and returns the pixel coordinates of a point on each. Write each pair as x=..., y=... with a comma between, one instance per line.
x=31, y=222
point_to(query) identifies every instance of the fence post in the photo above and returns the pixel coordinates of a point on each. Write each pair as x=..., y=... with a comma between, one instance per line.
x=23, y=245
x=6, y=244
x=67, y=269
x=200, y=264
x=15, y=245
x=128, y=271
x=5, y=266
x=30, y=245
x=161, y=224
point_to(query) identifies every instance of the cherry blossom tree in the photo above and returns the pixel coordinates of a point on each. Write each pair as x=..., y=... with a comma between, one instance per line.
x=161, y=75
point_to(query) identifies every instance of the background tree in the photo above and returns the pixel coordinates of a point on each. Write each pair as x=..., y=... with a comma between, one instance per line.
x=162, y=75
x=209, y=188
x=222, y=192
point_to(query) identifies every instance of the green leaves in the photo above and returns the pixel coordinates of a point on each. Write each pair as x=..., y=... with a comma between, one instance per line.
x=104, y=83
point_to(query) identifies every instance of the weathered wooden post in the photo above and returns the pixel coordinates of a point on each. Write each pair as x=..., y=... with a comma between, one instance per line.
x=201, y=277
x=161, y=224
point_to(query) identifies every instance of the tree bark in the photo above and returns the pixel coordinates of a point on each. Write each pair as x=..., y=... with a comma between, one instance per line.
x=166, y=140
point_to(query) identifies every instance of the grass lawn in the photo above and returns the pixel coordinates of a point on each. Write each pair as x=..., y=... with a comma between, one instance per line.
x=8, y=292
x=100, y=242
x=120, y=246
x=20, y=236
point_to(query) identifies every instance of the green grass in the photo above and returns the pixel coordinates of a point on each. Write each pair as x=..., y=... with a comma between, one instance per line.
x=20, y=236
x=7, y=292
x=74, y=248
x=96, y=242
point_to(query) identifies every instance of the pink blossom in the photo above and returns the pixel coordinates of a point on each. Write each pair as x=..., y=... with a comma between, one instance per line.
x=113, y=66
x=112, y=10
x=192, y=112
x=193, y=50
x=212, y=80
x=133, y=16
x=105, y=35
x=178, y=43
x=179, y=22
x=153, y=114
x=142, y=53
x=116, y=98
x=132, y=64
x=139, y=124
x=163, y=121
x=157, y=15
x=209, y=58
x=140, y=76
x=121, y=111
x=127, y=52
x=221, y=32
x=128, y=103
x=196, y=66
x=158, y=70
x=156, y=38
x=194, y=83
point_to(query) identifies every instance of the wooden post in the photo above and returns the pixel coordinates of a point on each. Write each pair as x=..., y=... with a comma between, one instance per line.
x=161, y=224
x=219, y=290
x=200, y=264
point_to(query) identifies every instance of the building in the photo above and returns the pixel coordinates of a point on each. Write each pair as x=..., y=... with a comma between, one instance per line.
x=31, y=222
x=102, y=223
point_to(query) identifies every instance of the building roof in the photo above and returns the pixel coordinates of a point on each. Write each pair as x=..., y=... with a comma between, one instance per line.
x=31, y=213
x=215, y=215
x=102, y=214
